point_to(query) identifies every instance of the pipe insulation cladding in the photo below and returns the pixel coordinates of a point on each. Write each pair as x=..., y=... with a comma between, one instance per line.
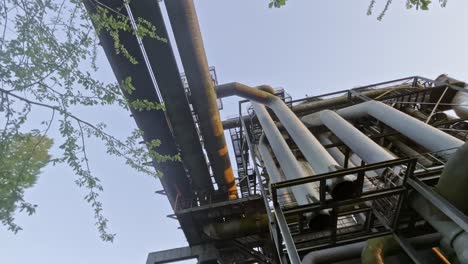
x=317, y=156
x=358, y=142
x=427, y=136
x=460, y=100
x=453, y=181
x=303, y=194
x=316, y=222
x=274, y=173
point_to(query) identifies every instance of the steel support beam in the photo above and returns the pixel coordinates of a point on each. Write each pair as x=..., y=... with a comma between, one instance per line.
x=206, y=254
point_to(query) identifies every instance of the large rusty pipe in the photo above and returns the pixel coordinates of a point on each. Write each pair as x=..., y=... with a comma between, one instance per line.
x=237, y=227
x=153, y=122
x=185, y=26
x=320, y=160
x=164, y=67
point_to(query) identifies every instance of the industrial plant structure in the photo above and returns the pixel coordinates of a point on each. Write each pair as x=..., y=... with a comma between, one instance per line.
x=375, y=174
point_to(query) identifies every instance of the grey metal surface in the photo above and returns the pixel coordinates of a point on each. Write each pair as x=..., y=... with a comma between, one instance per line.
x=271, y=218
x=454, y=236
x=441, y=203
x=312, y=150
x=273, y=171
x=453, y=182
x=409, y=151
x=423, y=134
x=334, y=254
x=284, y=155
x=288, y=239
x=350, y=251
x=317, y=156
x=205, y=253
x=353, y=159
x=409, y=249
x=357, y=141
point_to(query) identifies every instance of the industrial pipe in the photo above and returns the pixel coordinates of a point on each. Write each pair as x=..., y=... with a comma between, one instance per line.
x=332, y=102
x=353, y=159
x=164, y=67
x=315, y=222
x=377, y=249
x=237, y=227
x=456, y=170
x=454, y=237
x=340, y=188
x=350, y=251
x=453, y=182
x=290, y=166
x=409, y=151
x=185, y=26
x=357, y=141
x=154, y=122
x=452, y=186
x=312, y=106
x=418, y=131
x=460, y=100
x=273, y=172
x=334, y=254
x=460, y=104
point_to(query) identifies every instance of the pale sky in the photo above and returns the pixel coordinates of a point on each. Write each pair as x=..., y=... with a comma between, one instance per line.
x=308, y=47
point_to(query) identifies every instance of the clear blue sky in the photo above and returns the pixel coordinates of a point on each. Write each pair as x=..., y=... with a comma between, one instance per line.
x=307, y=47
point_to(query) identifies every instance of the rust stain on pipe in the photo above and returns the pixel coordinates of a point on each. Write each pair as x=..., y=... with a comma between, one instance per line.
x=263, y=95
x=186, y=28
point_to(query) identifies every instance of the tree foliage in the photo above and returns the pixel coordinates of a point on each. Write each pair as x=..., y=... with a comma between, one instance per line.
x=416, y=4
x=22, y=156
x=48, y=51
x=410, y=4
x=277, y=3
